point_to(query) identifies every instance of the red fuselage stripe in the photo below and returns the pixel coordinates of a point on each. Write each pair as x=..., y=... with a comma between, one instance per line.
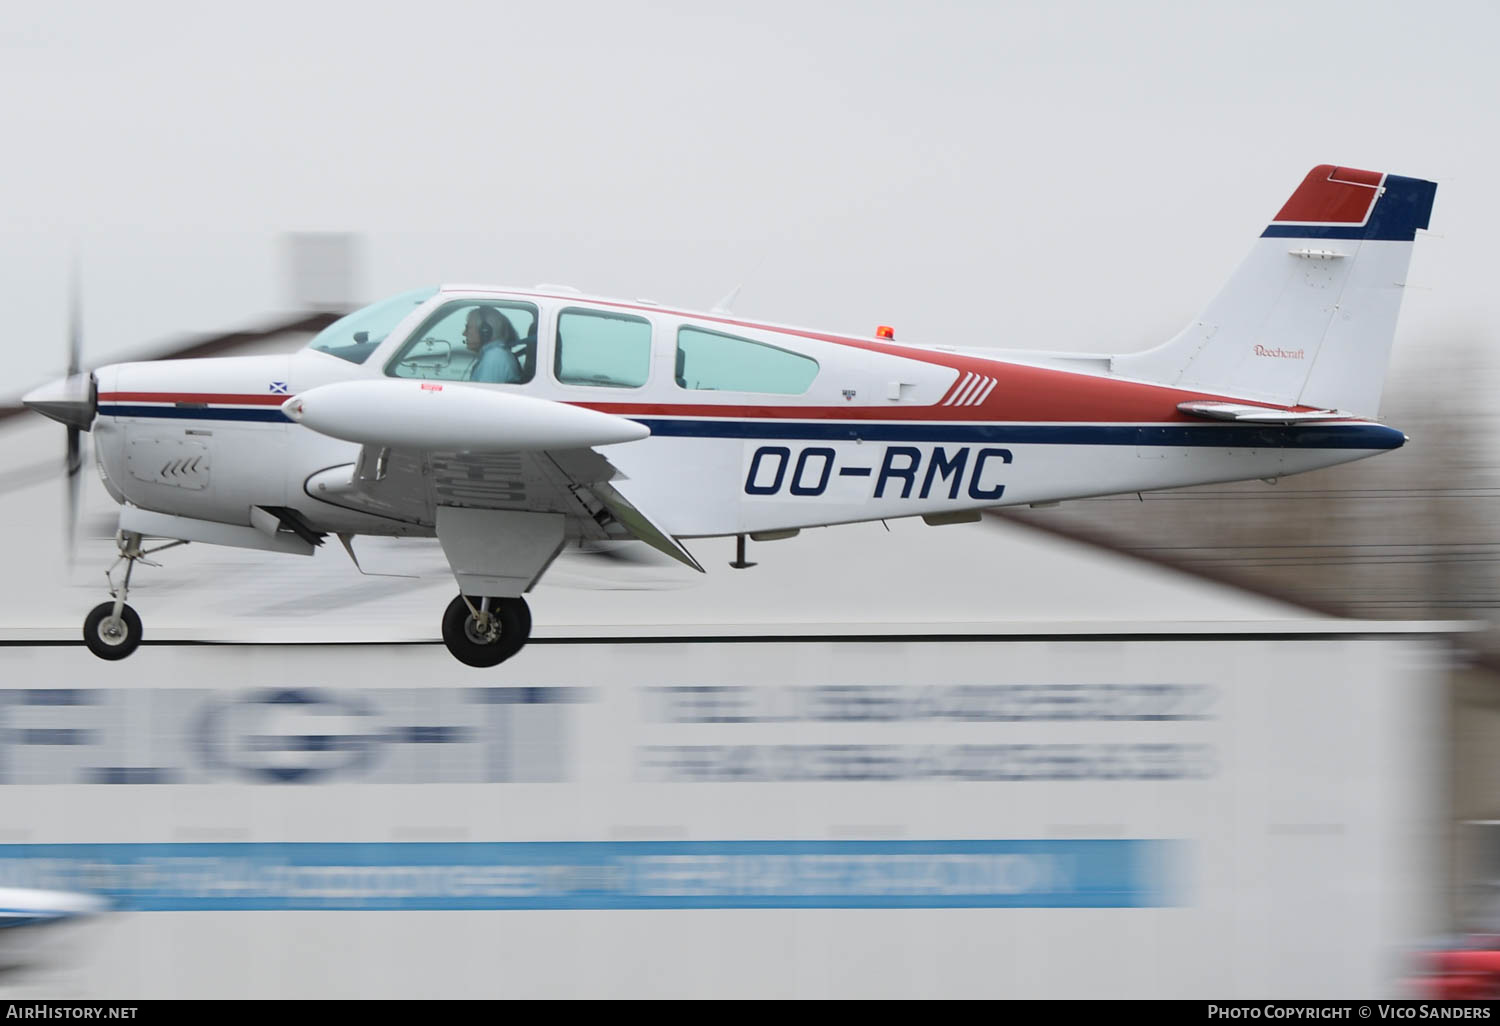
x=217, y=398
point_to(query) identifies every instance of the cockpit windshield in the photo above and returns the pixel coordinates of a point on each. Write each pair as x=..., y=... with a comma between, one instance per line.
x=356, y=336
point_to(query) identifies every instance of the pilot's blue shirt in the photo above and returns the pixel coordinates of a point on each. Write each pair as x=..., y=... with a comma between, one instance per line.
x=496, y=363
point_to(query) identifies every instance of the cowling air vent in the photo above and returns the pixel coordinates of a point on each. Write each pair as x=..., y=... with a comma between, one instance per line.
x=178, y=462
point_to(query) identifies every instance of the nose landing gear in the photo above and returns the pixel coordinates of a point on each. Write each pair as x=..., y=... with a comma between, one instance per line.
x=486, y=631
x=112, y=630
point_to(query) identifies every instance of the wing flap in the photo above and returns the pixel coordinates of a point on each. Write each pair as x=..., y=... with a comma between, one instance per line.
x=640, y=525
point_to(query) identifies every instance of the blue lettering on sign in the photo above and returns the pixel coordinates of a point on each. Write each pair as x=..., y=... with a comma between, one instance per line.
x=950, y=468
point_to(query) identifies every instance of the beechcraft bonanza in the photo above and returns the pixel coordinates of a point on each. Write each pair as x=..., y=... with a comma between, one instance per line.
x=508, y=423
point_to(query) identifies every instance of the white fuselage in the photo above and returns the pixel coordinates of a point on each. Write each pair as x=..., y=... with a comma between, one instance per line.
x=883, y=431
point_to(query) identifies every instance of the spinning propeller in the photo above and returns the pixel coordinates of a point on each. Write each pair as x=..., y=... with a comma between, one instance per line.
x=72, y=402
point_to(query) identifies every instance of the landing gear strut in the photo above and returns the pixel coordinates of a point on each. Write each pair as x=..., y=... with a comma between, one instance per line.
x=486, y=631
x=112, y=630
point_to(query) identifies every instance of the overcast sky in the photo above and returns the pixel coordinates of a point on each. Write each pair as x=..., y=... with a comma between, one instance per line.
x=1050, y=175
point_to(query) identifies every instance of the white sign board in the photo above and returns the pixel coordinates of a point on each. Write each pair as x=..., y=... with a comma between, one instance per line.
x=932, y=816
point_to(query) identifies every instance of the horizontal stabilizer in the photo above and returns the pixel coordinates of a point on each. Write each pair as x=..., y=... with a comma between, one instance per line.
x=429, y=415
x=1243, y=414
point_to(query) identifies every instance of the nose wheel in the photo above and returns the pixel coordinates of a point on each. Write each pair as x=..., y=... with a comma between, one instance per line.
x=486, y=631
x=112, y=630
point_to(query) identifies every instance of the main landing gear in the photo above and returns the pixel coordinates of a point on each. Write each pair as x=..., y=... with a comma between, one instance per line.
x=486, y=631
x=479, y=631
x=112, y=630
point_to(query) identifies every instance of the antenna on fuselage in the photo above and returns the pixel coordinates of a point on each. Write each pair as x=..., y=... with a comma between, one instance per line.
x=723, y=305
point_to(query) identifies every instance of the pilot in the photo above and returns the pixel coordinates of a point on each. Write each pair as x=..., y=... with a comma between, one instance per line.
x=489, y=335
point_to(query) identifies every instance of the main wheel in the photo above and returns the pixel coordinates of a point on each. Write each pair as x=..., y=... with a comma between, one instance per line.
x=510, y=626
x=109, y=638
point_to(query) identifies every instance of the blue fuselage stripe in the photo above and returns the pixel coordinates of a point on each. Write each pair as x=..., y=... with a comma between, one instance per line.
x=268, y=415
x=1223, y=436
x=1226, y=436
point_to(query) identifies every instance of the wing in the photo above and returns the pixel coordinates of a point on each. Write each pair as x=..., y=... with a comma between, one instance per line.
x=504, y=479
x=502, y=517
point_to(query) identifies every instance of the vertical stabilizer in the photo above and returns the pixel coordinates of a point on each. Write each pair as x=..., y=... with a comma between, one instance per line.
x=1308, y=318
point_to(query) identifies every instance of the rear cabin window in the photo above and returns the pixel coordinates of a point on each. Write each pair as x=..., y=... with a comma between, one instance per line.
x=610, y=350
x=723, y=363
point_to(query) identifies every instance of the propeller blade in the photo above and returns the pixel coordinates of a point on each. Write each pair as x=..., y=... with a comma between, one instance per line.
x=75, y=441
x=74, y=485
x=75, y=322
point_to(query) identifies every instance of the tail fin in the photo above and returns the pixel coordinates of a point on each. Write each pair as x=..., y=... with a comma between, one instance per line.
x=1309, y=317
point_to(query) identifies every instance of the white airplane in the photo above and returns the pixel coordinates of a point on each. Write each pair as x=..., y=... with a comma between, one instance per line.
x=23, y=911
x=24, y=906
x=510, y=422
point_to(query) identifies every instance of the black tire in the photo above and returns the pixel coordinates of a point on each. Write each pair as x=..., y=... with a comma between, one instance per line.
x=523, y=611
x=107, y=641
x=514, y=618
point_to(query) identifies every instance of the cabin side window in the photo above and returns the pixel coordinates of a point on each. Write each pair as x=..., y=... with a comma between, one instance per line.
x=484, y=341
x=710, y=361
x=602, y=348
